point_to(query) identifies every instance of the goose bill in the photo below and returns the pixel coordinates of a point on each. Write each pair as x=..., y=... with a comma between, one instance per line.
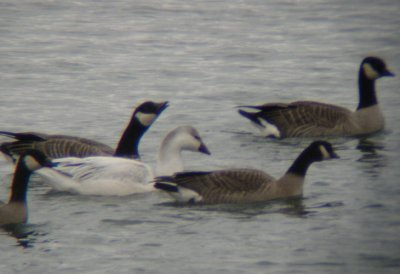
x=204, y=149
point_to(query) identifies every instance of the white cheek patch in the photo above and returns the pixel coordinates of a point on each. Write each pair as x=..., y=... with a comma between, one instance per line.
x=146, y=119
x=370, y=72
x=324, y=152
x=31, y=163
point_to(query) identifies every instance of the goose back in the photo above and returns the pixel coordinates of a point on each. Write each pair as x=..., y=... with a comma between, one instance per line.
x=53, y=146
x=223, y=186
x=304, y=118
x=97, y=175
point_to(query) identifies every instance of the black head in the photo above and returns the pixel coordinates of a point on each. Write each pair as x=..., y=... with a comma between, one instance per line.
x=374, y=68
x=315, y=152
x=34, y=159
x=148, y=111
x=321, y=150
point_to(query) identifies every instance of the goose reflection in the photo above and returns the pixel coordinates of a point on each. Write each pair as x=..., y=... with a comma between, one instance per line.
x=24, y=234
x=292, y=207
x=372, y=156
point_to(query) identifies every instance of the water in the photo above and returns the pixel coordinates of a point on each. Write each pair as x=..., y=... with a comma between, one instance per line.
x=78, y=67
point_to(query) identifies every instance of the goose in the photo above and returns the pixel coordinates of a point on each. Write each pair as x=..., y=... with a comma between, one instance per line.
x=243, y=185
x=314, y=119
x=58, y=146
x=15, y=211
x=112, y=176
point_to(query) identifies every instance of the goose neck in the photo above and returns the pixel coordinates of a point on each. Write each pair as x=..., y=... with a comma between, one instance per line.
x=169, y=160
x=302, y=163
x=20, y=183
x=129, y=142
x=367, y=95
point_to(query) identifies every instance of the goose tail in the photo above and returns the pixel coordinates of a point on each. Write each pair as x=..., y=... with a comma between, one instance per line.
x=166, y=183
x=23, y=136
x=252, y=116
x=179, y=193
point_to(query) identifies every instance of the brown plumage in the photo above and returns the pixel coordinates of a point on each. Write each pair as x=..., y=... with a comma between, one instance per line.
x=244, y=185
x=58, y=146
x=311, y=119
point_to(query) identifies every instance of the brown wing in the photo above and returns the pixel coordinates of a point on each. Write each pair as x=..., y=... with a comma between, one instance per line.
x=307, y=118
x=58, y=146
x=225, y=185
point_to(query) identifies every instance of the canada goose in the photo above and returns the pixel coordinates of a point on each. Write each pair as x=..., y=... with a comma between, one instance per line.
x=243, y=185
x=15, y=211
x=58, y=146
x=99, y=175
x=310, y=119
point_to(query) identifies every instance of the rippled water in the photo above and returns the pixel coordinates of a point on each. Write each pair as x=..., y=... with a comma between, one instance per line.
x=78, y=67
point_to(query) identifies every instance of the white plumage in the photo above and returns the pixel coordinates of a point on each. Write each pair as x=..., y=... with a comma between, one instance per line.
x=102, y=175
x=99, y=175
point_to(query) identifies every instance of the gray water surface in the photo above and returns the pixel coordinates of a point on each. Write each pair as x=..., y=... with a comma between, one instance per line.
x=79, y=67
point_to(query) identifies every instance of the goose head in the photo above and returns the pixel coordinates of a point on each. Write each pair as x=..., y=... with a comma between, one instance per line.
x=27, y=163
x=147, y=112
x=142, y=118
x=317, y=151
x=180, y=139
x=320, y=151
x=33, y=160
x=184, y=138
x=374, y=68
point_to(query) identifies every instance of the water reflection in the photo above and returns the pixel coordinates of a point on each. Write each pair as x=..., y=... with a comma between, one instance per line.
x=372, y=158
x=289, y=206
x=24, y=234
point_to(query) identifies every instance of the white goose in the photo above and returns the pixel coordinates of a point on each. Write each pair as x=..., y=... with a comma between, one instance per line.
x=101, y=175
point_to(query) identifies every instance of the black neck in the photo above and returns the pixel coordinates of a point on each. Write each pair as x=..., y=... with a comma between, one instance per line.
x=20, y=183
x=366, y=91
x=129, y=142
x=302, y=163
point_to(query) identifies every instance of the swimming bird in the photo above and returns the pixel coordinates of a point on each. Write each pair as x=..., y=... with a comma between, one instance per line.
x=311, y=119
x=58, y=146
x=243, y=185
x=15, y=211
x=100, y=175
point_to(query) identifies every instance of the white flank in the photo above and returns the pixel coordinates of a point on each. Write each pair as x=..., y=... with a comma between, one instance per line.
x=107, y=176
x=185, y=195
x=269, y=130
